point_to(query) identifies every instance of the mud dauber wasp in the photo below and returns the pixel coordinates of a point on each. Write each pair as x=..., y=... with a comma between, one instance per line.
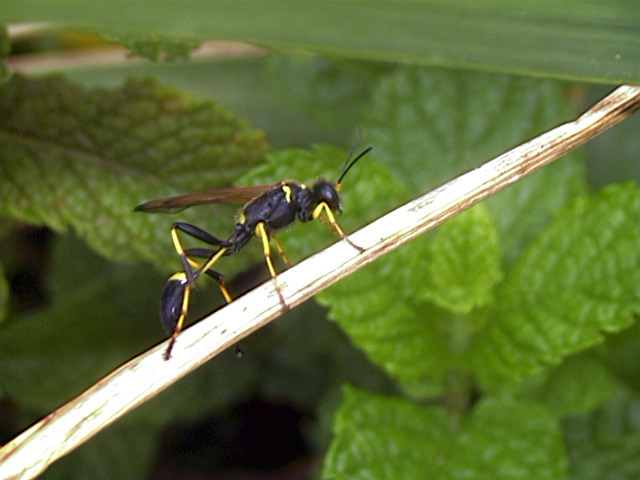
x=268, y=209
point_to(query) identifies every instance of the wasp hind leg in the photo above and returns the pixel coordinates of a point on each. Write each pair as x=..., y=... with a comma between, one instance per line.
x=174, y=303
x=261, y=232
x=199, y=234
x=217, y=276
x=212, y=256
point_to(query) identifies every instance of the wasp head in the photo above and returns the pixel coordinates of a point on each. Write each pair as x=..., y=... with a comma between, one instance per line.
x=326, y=192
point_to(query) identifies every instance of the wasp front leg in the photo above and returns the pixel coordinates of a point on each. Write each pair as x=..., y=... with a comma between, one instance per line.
x=324, y=213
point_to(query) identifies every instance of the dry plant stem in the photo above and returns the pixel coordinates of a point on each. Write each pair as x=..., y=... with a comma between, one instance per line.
x=143, y=377
x=112, y=55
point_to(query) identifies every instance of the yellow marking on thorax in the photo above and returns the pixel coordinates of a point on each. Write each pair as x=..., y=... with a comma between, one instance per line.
x=287, y=192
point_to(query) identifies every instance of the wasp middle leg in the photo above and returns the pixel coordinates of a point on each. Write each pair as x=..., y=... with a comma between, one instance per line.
x=263, y=234
x=174, y=303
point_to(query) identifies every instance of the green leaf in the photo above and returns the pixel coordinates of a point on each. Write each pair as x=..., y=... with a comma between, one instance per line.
x=376, y=436
x=608, y=459
x=454, y=121
x=588, y=40
x=508, y=439
x=83, y=158
x=577, y=385
x=463, y=264
x=605, y=445
x=621, y=355
x=385, y=437
x=242, y=84
x=429, y=125
x=409, y=339
x=523, y=210
x=578, y=281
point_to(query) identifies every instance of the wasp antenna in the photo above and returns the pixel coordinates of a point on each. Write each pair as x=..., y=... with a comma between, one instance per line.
x=348, y=163
x=347, y=167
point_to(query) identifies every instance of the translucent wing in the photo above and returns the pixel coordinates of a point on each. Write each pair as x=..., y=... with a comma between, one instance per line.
x=225, y=195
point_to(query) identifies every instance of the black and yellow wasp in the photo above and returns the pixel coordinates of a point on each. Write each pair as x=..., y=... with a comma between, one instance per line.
x=268, y=209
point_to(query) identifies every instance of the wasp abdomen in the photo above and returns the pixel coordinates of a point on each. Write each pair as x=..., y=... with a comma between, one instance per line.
x=172, y=301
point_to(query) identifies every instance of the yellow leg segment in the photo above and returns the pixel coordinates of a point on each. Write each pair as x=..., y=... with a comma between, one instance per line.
x=261, y=232
x=188, y=277
x=183, y=256
x=176, y=242
x=209, y=263
x=198, y=266
x=223, y=286
x=324, y=213
x=285, y=259
x=184, y=308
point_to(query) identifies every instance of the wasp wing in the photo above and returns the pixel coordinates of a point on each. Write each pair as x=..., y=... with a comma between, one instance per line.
x=178, y=203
